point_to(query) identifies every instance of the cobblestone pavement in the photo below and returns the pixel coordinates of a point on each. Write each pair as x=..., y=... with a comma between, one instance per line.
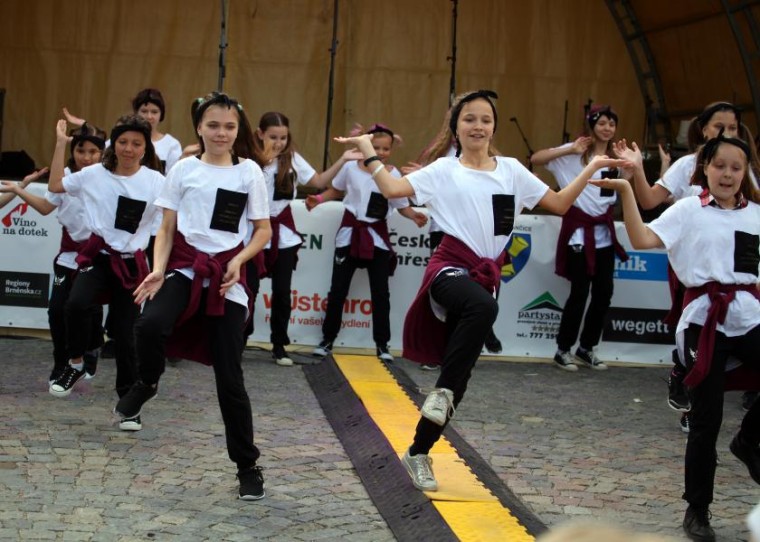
x=599, y=444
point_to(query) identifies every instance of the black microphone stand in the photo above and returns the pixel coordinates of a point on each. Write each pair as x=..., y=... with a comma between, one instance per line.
x=331, y=85
x=453, y=57
x=525, y=140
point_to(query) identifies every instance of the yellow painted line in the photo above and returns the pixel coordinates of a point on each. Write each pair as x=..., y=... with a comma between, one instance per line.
x=472, y=512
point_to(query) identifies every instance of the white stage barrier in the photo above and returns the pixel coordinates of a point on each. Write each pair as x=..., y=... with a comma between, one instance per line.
x=530, y=301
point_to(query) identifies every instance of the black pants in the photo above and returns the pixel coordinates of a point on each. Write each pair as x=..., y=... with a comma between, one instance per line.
x=62, y=284
x=706, y=413
x=601, y=286
x=225, y=334
x=83, y=306
x=471, y=311
x=282, y=276
x=253, y=282
x=343, y=271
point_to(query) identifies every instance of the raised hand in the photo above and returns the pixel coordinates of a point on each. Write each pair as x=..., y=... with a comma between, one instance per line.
x=60, y=132
x=72, y=119
x=581, y=144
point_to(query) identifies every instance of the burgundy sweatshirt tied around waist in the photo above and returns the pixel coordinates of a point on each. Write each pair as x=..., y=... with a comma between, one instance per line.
x=424, y=336
x=573, y=219
x=270, y=255
x=720, y=296
x=362, y=245
x=89, y=249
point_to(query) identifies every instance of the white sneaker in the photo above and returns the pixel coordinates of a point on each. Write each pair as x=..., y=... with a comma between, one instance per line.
x=438, y=406
x=420, y=468
x=281, y=356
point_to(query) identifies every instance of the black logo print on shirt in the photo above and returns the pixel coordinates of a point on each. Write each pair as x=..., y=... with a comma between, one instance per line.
x=129, y=212
x=746, y=256
x=287, y=189
x=228, y=209
x=503, y=213
x=377, y=207
x=608, y=174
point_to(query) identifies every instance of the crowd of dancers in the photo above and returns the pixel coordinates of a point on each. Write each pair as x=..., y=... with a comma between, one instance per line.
x=176, y=241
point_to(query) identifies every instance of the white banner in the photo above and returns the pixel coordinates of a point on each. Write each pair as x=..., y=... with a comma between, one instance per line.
x=530, y=302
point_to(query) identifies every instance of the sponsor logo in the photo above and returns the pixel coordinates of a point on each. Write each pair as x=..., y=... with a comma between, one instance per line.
x=540, y=318
x=643, y=266
x=518, y=250
x=626, y=325
x=24, y=289
x=14, y=223
x=408, y=248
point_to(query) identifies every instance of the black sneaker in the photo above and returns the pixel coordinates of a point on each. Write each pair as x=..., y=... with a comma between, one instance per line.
x=678, y=399
x=384, y=355
x=251, y=484
x=55, y=374
x=281, y=356
x=589, y=359
x=62, y=387
x=130, y=424
x=685, y=423
x=564, y=360
x=747, y=454
x=108, y=350
x=748, y=399
x=323, y=350
x=90, y=360
x=696, y=524
x=131, y=404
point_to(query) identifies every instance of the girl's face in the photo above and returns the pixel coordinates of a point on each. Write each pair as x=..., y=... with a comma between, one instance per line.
x=86, y=153
x=604, y=129
x=129, y=148
x=721, y=119
x=219, y=129
x=383, y=145
x=725, y=174
x=274, y=137
x=150, y=112
x=475, y=125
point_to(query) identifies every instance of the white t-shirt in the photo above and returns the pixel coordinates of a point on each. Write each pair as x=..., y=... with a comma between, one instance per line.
x=477, y=207
x=706, y=244
x=207, y=198
x=565, y=169
x=70, y=214
x=432, y=225
x=118, y=209
x=168, y=150
x=304, y=173
x=361, y=191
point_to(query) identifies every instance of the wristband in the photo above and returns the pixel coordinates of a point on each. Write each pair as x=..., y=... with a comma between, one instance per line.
x=377, y=170
x=371, y=159
x=320, y=198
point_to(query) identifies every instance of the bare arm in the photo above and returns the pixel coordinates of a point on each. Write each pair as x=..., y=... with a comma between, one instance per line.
x=328, y=195
x=161, y=250
x=11, y=189
x=648, y=196
x=38, y=203
x=544, y=156
x=639, y=234
x=390, y=186
x=560, y=202
x=262, y=233
x=321, y=180
x=414, y=215
x=55, y=182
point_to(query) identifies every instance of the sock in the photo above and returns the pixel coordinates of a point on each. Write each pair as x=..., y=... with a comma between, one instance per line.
x=78, y=366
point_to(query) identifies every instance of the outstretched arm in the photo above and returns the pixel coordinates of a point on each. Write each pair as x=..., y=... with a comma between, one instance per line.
x=321, y=180
x=560, y=202
x=328, y=195
x=544, y=156
x=390, y=186
x=12, y=189
x=639, y=234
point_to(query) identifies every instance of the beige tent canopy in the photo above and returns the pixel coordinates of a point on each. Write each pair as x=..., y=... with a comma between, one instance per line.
x=656, y=62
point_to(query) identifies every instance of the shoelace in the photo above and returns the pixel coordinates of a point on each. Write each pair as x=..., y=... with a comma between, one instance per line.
x=441, y=402
x=68, y=377
x=422, y=469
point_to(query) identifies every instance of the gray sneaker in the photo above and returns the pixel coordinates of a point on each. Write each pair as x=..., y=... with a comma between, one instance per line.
x=565, y=361
x=589, y=359
x=420, y=468
x=438, y=406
